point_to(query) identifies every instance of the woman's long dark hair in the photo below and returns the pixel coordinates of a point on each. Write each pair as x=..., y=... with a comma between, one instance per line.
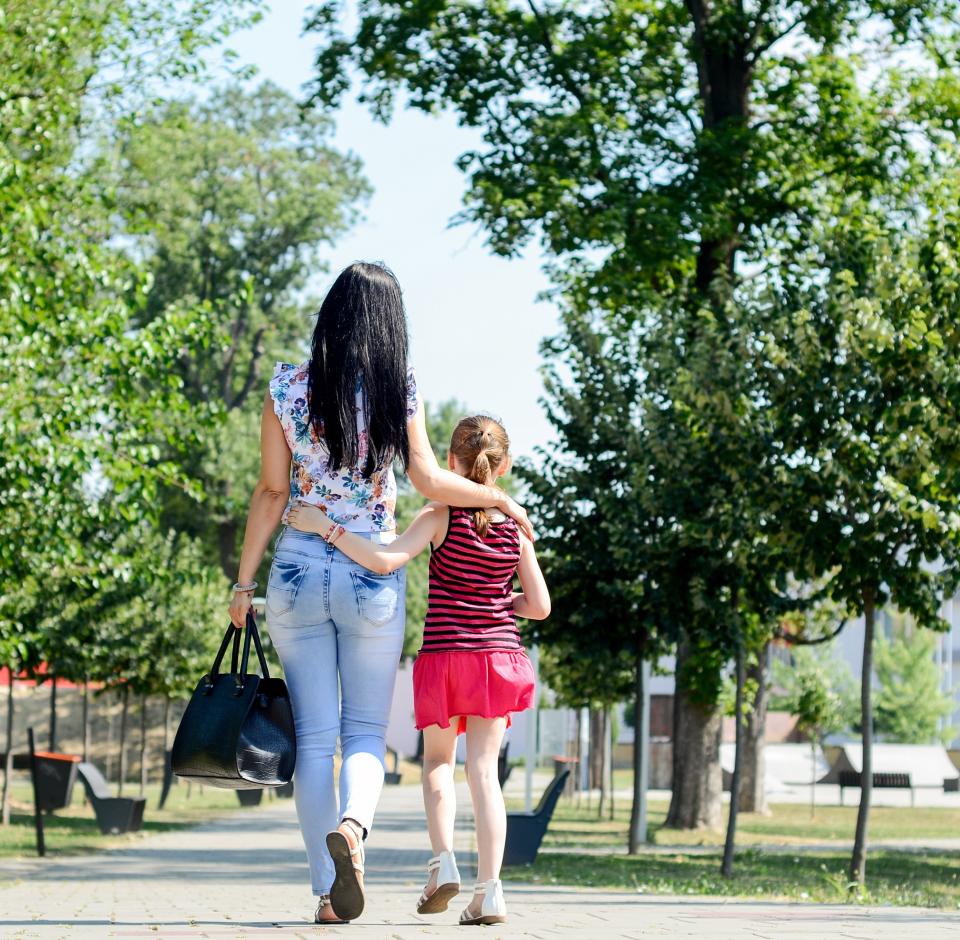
x=361, y=339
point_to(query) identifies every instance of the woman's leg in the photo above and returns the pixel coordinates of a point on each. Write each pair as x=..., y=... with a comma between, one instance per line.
x=308, y=653
x=439, y=795
x=369, y=612
x=484, y=737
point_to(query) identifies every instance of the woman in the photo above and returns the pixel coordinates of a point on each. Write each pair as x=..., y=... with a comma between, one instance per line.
x=330, y=432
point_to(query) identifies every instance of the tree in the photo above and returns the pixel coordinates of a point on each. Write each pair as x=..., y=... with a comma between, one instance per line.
x=87, y=398
x=911, y=707
x=863, y=379
x=661, y=152
x=230, y=200
x=819, y=689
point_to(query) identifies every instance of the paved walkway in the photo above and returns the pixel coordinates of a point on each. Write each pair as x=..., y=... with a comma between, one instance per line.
x=245, y=876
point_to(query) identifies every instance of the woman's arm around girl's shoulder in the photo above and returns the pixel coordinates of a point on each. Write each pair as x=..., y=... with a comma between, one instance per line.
x=534, y=602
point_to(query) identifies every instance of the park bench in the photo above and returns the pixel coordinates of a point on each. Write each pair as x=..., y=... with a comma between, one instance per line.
x=114, y=813
x=250, y=797
x=525, y=831
x=392, y=777
x=881, y=781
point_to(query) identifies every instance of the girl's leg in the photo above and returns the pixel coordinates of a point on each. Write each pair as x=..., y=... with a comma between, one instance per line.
x=439, y=796
x=484, y=737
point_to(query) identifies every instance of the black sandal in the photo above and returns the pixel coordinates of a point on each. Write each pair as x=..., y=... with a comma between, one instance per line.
x=346, y=895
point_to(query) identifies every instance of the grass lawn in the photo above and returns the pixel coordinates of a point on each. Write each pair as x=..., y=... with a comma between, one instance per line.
x=74, y=830
x=788, y=823
x=929, y=879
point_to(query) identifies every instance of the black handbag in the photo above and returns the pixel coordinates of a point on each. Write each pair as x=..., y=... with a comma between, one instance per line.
x=237, y=731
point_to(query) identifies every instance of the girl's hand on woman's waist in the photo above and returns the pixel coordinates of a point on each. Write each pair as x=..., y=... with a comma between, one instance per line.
x=308, y=518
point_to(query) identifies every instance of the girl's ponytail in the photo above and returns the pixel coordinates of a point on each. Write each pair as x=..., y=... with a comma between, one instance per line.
x=481, y=444
x=480, y=473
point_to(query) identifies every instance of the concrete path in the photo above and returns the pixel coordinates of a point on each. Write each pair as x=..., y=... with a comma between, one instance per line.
x=245, y=876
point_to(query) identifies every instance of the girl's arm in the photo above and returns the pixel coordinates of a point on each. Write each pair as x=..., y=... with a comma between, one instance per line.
x=381, y=559
x=534, y=602
x=269, y=499
x=448, y=488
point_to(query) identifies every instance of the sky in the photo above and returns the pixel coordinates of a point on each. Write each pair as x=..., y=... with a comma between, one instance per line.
x=475, y=321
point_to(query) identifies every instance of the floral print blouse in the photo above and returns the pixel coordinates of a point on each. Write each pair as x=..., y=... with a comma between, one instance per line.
x=347, y=495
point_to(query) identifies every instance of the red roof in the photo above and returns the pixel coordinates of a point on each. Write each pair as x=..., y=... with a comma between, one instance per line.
x=42, y=670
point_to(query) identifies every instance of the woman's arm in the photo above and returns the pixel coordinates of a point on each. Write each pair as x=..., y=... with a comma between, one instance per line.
x=534, y=602
x=269, y=499
x=444, y=486
x=379, y=558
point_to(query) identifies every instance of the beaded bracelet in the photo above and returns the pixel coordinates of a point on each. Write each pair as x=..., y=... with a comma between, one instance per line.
x=239, y=588
x=334, y=534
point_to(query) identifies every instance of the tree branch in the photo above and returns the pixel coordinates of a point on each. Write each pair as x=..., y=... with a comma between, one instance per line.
x=796, y=639
x=253, y=368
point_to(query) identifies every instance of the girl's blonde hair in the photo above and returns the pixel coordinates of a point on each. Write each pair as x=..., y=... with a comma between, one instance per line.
x=481, y=444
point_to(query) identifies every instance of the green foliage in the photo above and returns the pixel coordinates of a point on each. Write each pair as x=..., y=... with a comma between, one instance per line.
x=662, y=152
x=910, y=707
x=818, y=687
x=229, y=201
x=752, y=219
x=94, y=420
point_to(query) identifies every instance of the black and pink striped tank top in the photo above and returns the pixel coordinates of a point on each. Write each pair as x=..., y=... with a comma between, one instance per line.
x=469, y=602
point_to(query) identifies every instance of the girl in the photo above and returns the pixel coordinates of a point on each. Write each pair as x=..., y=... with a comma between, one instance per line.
x=472, y=671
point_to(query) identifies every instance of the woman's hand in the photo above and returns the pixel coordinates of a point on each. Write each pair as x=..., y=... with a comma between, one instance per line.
x=239, y=606
x=513, y=509
x=308, y=518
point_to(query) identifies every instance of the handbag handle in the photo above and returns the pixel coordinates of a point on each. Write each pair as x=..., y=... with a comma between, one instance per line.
x=251, y=633
x=232, y=634
x=238, y=666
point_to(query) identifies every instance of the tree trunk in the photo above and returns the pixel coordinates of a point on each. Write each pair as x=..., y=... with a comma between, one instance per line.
x=858, y=861
x=85, y=750
x=813, y=777
x=610, y=744
x=602, y=748
x=578, y=754
x=726, y=869
x=109, y=755
x=597, y=716
x=123, y=738
x=638, y=811
x=53, y=712
x=143, y=743
x=166, y=725
x=753, y=792
x=8, y=760
x=696, y=801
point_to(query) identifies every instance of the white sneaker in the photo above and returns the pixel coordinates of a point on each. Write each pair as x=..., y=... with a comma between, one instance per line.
x=448, y=884
x=493, y=909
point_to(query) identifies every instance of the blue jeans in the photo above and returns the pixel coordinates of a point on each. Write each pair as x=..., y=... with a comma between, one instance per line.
x=331, y=619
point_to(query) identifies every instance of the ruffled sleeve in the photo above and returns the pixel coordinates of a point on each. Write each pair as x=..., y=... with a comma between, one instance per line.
x=413, y=393
x=280, y=386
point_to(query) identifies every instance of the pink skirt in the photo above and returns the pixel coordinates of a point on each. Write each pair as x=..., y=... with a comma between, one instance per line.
x=489, y=684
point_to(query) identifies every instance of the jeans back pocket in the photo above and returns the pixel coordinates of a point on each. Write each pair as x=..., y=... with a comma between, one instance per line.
x=377, y=595
x=283, y=584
